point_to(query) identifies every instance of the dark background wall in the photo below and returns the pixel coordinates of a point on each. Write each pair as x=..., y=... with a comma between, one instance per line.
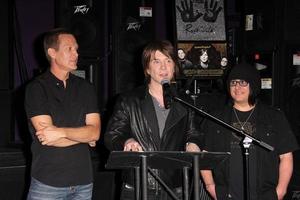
x=110, y=56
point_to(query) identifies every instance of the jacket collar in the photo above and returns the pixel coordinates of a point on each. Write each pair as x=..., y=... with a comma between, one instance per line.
x=150, y=115
x=177, y=112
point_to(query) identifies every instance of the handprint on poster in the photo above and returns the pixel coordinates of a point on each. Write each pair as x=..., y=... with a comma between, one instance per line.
x=200, y=20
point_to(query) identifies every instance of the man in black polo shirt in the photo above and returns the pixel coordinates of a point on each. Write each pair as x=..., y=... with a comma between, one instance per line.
x=63, y=120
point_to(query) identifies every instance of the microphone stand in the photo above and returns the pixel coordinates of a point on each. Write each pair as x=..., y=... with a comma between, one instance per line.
x=194, y=96
x=246, y=142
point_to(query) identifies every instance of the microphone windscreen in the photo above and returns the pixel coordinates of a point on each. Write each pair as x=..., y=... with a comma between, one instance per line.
x=165, y=81
x=167, y=94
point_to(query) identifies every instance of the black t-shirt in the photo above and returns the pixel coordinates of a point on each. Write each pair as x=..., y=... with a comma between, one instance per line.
x=46, y=95
x=272, y=128
x=237, y=160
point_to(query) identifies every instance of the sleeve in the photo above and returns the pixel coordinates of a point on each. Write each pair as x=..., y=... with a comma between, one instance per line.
x=286, y=140
x=194, y=134
x=36, y=100
x=216, y=137
x=208, y=136
x=118, y=128
x=92, y=100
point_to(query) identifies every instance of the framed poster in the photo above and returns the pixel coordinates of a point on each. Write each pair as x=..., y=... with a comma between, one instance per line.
x=200, y=20
x=201, y=59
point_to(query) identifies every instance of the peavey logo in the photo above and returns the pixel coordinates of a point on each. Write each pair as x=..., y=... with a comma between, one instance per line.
x=81, y=9
x=134, y=25
x=296, y=195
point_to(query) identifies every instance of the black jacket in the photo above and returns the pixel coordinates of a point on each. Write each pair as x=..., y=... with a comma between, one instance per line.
x=272, y=128
x=134, y=117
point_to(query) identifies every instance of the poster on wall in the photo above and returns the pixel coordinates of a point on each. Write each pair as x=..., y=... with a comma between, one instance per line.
x=201, y=59
x=200, y=20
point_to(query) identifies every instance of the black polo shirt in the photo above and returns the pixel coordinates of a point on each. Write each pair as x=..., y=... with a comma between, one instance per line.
x=46, y=95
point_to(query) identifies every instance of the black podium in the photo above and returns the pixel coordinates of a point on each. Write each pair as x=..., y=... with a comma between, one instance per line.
x=144, y=161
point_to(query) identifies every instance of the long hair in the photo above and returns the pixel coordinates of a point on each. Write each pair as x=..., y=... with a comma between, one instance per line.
x=165, y=47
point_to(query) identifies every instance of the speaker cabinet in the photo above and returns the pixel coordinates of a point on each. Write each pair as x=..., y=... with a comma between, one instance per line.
x=86, y=19
x=5, y=50
x=5, y=117
x=12, y=182
x=262, y=24
x=131, y=31
x=291, y=20
x=15, y=177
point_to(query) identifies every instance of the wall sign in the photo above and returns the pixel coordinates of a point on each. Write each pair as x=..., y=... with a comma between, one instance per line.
x=200, y=20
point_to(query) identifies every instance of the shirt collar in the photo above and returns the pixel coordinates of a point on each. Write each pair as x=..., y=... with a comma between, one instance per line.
x=55, y=81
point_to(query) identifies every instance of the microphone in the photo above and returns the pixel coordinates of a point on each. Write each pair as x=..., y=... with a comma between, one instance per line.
x=167, y=93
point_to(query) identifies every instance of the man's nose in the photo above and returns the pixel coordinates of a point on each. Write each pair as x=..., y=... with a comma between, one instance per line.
x=75, y=53
x=163, y=65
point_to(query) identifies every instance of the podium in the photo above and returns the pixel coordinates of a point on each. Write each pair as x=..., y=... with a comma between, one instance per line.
x=143, y=162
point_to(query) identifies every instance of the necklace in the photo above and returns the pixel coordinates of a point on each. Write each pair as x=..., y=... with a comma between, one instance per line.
x=238, y=119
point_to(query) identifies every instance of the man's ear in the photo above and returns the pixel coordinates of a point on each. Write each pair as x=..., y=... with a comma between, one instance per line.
x=51, y=52
x=147, y=72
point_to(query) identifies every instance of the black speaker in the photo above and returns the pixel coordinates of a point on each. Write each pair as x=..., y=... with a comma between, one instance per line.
x=12, y=183
x=5, y=50
x=262, y=24
x=104, y=185
x=13, y=174
x=5, y=118
x=133, y=28
x=291, y=20
x=15, y=177
x=88, y=20
x=85, y=18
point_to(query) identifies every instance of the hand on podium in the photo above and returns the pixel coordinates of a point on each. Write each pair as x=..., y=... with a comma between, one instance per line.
x=192, y=147
x=132, y=145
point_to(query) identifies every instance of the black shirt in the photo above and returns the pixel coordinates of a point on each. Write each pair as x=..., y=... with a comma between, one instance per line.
x=237, y=159
x=67, y=106
x=271, y=127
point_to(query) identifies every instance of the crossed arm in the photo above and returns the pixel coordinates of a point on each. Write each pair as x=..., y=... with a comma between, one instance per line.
x=50, y=135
